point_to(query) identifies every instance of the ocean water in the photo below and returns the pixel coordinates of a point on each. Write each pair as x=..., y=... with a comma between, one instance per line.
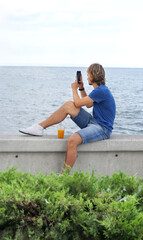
x=28, y=95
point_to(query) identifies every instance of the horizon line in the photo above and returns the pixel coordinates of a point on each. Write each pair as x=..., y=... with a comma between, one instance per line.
x=61, y=66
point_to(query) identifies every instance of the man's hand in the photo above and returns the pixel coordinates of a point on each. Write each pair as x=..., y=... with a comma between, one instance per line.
x=74, y=85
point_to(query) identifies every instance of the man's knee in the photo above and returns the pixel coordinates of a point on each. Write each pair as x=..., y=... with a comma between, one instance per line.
x=70, y=108
x=71, y=142
x=74, y=140
x=68, y=105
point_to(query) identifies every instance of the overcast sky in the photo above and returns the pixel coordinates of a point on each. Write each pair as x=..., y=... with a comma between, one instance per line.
x=71, y=32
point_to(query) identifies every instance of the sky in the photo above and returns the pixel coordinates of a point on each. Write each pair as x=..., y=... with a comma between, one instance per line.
x=71, y=33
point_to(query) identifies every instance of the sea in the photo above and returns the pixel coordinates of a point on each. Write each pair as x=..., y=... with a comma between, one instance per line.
x=28, y=95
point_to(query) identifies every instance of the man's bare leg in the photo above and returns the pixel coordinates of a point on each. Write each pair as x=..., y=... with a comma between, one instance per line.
x=60, y=114
x=75, y=139
x=71, y=155
x=56, y=117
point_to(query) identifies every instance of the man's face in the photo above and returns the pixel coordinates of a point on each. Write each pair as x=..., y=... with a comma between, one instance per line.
x=89, y=78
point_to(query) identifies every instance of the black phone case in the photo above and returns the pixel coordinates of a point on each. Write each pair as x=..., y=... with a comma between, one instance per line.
x=78, y=76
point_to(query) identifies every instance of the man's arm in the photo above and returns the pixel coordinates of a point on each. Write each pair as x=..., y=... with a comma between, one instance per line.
x=83, y=93
x=79, y=102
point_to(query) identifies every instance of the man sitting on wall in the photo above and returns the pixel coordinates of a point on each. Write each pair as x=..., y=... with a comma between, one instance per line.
x=95, y=127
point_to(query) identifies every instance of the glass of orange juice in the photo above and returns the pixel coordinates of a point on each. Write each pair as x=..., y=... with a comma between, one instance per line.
x=61, y=130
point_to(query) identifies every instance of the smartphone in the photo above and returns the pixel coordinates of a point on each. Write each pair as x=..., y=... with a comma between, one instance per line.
x=78, y=76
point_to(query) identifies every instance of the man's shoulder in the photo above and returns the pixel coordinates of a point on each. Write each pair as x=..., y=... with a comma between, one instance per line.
x=104, y=88
x=99, y=90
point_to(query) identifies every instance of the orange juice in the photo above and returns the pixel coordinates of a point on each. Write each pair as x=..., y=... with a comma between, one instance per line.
x=60, y=133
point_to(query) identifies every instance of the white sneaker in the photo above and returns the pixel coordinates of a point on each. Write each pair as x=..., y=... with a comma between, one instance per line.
x=34, y=130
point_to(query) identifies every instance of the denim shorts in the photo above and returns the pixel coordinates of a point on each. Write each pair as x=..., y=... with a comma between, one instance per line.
x=90, y=131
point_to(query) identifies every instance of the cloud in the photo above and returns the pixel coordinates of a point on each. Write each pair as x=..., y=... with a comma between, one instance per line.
x=70, y=32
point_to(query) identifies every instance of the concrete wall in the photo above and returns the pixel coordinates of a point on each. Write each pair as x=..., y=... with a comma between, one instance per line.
x=47, y=153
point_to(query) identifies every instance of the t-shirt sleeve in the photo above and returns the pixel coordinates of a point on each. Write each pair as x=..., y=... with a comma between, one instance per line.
x=97, y=95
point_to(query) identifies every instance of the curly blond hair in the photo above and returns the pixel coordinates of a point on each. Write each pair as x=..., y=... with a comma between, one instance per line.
x=97, y=72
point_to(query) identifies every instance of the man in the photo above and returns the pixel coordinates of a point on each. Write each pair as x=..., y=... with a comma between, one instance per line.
x=95, y=127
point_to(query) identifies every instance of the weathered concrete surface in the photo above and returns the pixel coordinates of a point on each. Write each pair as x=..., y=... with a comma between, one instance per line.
x=47, y=153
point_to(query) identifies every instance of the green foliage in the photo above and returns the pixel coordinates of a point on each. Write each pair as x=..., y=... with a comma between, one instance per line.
x=70, y=207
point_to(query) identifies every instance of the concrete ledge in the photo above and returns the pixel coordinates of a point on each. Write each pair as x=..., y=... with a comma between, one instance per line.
x=47, y=153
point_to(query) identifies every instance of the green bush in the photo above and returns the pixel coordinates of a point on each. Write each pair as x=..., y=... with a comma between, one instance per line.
x=70, y=207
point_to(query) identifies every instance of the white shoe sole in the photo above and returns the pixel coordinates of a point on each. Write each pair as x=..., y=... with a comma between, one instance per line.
x=30, y=134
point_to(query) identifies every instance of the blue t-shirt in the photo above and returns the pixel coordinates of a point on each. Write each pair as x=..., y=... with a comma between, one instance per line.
x=104, y=107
